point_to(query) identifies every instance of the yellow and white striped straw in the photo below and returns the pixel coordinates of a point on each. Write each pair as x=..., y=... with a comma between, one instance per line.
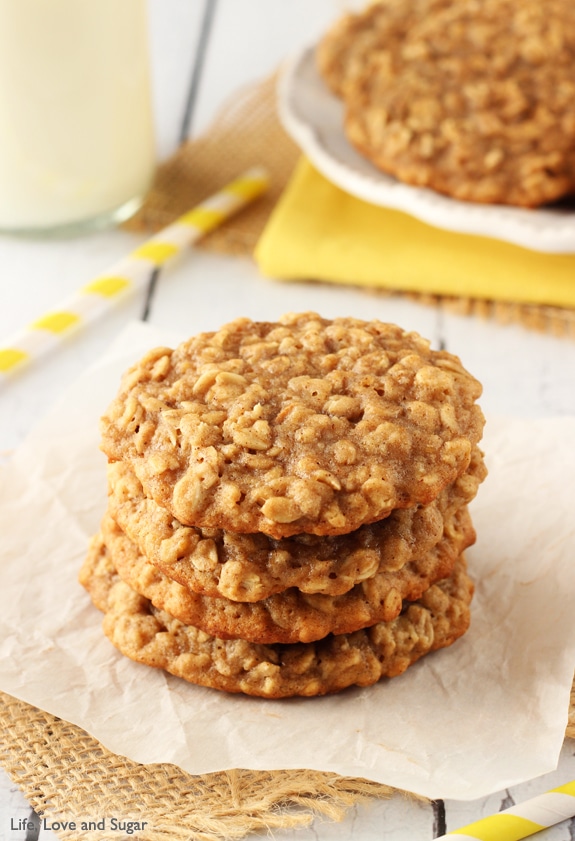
x=522, y=820
x=131, y=273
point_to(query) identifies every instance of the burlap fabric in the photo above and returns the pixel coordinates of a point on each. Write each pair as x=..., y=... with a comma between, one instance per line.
x=247, y=132
x=68, y=776
x=65, y=773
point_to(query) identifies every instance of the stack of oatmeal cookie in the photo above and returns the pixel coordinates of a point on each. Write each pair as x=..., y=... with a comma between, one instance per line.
x=472, y=98
x=288, y=505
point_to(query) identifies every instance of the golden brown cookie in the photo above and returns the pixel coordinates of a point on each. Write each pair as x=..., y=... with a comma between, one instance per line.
x=306, y=425
x=251, y=567
x=481, y=105
x=154, y=638
x=290, y=616
x=381, y=28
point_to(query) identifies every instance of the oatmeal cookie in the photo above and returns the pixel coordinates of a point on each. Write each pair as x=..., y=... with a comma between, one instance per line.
x=381, y=28
x=251, y=567
x=306, y=425
x=154, y=638
x=480, y=107
x=290, y=616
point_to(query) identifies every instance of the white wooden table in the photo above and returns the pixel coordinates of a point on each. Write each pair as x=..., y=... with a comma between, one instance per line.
x=202, y=52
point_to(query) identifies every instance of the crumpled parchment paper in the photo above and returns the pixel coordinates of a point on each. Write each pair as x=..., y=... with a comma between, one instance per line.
x=487, y=713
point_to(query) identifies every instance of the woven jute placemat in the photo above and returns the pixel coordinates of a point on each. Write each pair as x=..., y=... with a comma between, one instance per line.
x=247, y=132
x=69, y=776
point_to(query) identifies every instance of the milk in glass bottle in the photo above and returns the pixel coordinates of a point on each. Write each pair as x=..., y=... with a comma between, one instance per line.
x=76, y=127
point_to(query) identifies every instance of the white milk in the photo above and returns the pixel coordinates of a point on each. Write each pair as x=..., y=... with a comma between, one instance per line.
x=76, y=130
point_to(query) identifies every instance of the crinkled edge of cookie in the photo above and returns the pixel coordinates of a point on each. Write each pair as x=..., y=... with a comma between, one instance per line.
x=154, y=638
x=291, y=616
x=249, y=568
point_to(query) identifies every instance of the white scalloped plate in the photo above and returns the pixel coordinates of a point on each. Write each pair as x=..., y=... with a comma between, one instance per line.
x=313, y=117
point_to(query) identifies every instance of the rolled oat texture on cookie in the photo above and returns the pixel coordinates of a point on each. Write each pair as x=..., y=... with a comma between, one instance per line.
x=305, y=425
x=251, y=567
x=291, y=616
x=154, y=638
x=381, y=28
x=474, y=99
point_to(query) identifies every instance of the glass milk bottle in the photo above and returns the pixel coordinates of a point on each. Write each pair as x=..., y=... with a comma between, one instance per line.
x=76, y=128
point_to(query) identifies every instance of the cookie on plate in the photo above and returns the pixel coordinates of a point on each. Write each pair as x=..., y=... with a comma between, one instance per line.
x=304, y=425
x=153, y=637
x=481, y=106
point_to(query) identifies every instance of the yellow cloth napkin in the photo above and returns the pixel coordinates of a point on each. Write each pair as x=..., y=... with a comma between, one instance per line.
x=319, y=232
